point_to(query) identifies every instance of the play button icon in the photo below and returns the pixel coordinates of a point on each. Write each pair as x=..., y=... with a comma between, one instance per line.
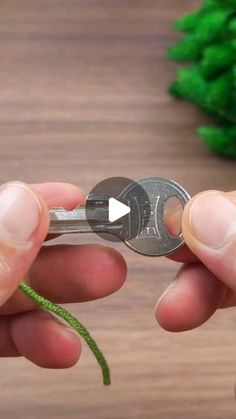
x=117, y=210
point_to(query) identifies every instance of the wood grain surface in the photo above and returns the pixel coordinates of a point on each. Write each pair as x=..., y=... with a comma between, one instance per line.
x=83, y=97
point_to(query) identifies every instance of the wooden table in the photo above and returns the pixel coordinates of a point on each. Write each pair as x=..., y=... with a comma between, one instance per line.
x=83, y=97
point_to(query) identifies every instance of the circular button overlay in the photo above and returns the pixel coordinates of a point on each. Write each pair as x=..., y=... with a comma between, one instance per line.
x=113, y=213
x=133, y=211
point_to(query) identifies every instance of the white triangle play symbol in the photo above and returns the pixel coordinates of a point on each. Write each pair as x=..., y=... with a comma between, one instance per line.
x=117, y=210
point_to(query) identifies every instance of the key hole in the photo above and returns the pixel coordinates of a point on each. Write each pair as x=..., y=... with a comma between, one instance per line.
x=173, y=211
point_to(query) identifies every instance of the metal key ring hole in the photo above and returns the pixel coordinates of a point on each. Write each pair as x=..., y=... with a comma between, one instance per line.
x=172, y=216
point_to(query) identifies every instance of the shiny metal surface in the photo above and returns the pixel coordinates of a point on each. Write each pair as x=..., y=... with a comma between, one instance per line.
x=153, y=238
x=147, y=198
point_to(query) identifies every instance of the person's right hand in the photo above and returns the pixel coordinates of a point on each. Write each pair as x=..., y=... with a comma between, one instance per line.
x=207, y=280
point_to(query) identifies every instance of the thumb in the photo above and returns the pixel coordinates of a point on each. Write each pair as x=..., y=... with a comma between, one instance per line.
x=209, y=229
x=23, y=226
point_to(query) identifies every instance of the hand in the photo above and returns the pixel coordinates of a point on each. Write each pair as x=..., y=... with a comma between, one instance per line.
x=207, y=280
x=64, y=274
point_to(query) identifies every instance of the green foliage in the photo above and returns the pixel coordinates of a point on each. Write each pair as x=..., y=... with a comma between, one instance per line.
x=190, y=85
x=209, y=45
x=186, y=23
x=216, y=59
x=220, y=140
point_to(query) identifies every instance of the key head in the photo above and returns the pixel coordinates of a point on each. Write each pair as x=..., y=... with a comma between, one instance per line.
x=152, y=238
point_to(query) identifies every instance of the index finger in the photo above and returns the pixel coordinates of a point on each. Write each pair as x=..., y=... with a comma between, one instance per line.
x=60, y=194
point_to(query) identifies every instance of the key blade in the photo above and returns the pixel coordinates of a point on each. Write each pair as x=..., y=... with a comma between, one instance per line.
x=89, y=219
x=81, y=213
x=79, y=220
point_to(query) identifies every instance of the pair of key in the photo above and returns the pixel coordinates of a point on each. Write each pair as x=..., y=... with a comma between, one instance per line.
x=143, y=229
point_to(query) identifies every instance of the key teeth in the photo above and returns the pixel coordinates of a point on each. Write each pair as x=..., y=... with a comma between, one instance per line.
x=57, y=209
x=97, y=199
x=94, y=199
x=62, y=209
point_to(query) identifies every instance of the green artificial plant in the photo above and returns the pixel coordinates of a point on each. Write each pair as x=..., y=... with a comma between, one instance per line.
x=209, y=80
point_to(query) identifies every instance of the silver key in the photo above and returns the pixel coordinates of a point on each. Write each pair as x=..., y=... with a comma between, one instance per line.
x=151, y=236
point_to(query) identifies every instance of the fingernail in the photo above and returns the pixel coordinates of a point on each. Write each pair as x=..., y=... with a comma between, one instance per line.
x=68, y=331
x=212, y=219
x=64, y=328
x=19, y=212
x=167, y=291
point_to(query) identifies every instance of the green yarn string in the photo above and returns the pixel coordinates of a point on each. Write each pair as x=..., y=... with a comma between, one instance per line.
x=73, y=323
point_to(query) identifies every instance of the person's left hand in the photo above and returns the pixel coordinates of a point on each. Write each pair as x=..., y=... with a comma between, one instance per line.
x=64, y=274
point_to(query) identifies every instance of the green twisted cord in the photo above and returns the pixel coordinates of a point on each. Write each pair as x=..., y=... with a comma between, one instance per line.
x=74, y=324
